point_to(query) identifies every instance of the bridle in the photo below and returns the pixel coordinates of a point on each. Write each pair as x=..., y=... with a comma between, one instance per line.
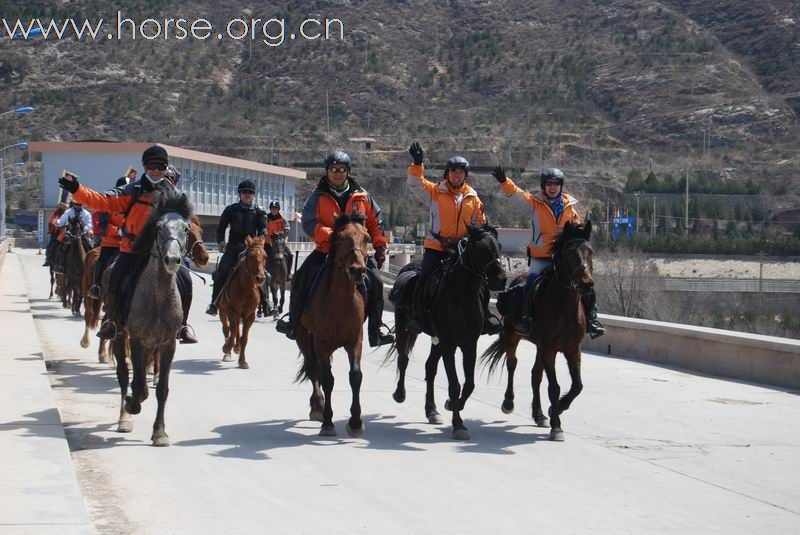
x=465, y=250
x=570, y=279
x=195, y=244
x=243, y=263
x=181, y=244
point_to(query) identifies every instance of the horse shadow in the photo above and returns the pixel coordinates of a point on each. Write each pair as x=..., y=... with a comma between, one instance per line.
x=253, y=440
x=90, y=438
x=198, y=366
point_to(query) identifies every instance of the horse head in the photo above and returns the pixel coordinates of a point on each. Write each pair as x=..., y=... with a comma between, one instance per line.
x=254, y=257
x=165, y=234
x=278, y=247
x=480, y=253
x=349, y=246
x=572, y=256
x=194, y=243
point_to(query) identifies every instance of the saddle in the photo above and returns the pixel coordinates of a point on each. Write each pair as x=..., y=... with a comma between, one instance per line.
x=511, y=303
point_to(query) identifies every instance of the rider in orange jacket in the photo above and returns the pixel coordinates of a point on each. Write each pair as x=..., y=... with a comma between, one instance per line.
x=136, y=201
x=453, y=205
x=56, y=234
x=551, y=209
x=109, y=224
x=338, y=193
x=277, y=225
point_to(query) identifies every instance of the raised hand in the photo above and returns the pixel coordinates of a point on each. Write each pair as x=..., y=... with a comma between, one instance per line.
x=69, y=183
x=416, y=153
x=499, y=174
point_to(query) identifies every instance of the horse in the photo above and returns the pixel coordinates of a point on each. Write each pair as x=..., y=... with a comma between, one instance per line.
x=74, y=256
x=155, y=310
x=456, y=321
x=240, y=297
x=278, y=271
x=559, y=324
x=334, y=319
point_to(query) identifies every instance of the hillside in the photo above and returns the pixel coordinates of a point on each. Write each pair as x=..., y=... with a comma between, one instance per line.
x=598, y=88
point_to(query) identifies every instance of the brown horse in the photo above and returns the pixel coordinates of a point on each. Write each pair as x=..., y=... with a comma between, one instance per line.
x=74, y=255
x=334, y=319
x=278, y=271
x=559, y=324
x=240, y=297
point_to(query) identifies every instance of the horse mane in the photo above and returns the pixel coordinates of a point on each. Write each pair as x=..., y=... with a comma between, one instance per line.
x=169, y=201
x=475, y=230
x=572, y=231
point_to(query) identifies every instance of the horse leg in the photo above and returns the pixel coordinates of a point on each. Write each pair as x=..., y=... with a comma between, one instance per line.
x=454, y=391
x=283, y=296
x=355, y=425
x=326, y=378
x=235, y=320
x=247, y=323
x=553, y=392
x=401, y=344
x=431, y=365
x=574, y=363
x=470, y=353
x=133, y=404
x=125, y=424
x=52, y=280
x=536, y=384
x=156, y=366
x=166, y=353
x=512, y=342
x=102, y=351
x=85, y=337
x=226, y=332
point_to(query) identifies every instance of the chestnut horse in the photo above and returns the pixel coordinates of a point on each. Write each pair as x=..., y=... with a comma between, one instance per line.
x=239, y=299
x=334, y=318
x=74, y=255
x=91, y=317
x=559, y=324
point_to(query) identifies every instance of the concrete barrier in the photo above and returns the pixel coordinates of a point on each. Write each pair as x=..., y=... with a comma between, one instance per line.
x=749, y=357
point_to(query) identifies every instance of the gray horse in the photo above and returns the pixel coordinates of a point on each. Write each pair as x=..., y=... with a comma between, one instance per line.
x=155, y=311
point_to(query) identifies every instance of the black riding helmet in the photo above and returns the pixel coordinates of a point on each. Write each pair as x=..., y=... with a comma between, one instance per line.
x=550, y=174
x=155, y=154
x=247, y=185
x=457, y=162
x=274, y=204
x=338, y=156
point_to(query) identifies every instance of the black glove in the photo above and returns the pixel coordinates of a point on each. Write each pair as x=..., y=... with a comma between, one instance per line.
x=380, y=256
x=416, y=153
x=69, y=185
x=499, y=174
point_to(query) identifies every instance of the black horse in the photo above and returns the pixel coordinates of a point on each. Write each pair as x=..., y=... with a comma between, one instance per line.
x=75, y=247
x=456, y=319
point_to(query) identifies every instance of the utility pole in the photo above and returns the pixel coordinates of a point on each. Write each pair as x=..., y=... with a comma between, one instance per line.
x=654, y=215
x=686, y=211
x=761, y=280
x=637, y=213
x=272, y=151
x=328, y=113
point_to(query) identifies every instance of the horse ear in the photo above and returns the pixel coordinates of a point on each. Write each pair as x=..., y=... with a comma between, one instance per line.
x=567, y=227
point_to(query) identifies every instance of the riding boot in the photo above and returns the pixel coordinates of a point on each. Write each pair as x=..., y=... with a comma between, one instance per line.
x=186, y=334
x=491, y=324
x=524, y=325
x=94, y=291
x=212, y=308
x=375, y=312
x=108, y=329
x=296, y=306
x=593, y=325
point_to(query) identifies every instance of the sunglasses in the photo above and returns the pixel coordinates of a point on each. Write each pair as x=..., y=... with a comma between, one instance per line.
x=247, y=192
x=337, y=169
x=156, y=166
x=552, y=184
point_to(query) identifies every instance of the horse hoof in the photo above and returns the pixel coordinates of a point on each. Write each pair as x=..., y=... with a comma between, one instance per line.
x=507, y=407
x=84, y=342
x=557, y=435
x=542, y=422
x=315, y=416
x=244, y=365
x=132, y=406
x=435, y=418
x=461, y=434
x=327, y=431
x=356, y=433
x=125, y=426
x=160, y=441
x=448, y=406
x=398, y=396
x=227, y=357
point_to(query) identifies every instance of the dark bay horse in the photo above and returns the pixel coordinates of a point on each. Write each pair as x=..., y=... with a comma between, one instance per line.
x=155, y=310
x=456, y=321
x=278, y=271
x=240, y=297
x=559, y=324
x=334, y=318
x=74, y=255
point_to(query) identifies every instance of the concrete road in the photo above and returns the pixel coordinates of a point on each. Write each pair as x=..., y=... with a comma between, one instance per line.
x=648, y=449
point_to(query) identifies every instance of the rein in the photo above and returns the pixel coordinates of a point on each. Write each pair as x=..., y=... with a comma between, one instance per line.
x=464, y=250
x=570, y=283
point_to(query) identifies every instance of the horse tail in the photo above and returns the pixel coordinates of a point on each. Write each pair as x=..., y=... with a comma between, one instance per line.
x=307, y=371
x=495, y=353
x=393, y=352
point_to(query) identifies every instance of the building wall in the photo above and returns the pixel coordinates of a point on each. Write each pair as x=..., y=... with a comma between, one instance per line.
x=97, y=171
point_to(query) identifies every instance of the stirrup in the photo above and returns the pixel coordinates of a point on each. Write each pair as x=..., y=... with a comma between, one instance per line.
x=595, y=330
x=190, y=337
x=103, y=326
x=94, y=291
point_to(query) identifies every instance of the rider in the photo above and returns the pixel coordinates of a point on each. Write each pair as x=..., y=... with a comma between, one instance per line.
x=551, y=210
x=76, y=211
x=245, y=219
x=337, y=193
x=277, y=224
x=453, y=205
x=135, y=201
x=108, y=228
x=56, y=234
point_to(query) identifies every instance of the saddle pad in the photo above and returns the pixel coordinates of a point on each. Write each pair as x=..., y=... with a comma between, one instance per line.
x=402, y=291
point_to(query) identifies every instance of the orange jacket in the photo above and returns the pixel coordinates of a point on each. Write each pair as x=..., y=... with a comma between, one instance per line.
x=53, y=229
x=323, y=207
x=277, y=225
x=138, y=212
x=450, y=210
x=111, y=237
x=545, y=228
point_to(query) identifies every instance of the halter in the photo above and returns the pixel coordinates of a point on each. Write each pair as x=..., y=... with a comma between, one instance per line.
x=195, y=244
x=570, y=283
x=352, y=251
x=242, y=262
x=181, y=244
